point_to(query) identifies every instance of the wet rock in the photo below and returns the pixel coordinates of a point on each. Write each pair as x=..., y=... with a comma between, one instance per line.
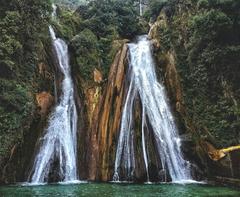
x=106, y=121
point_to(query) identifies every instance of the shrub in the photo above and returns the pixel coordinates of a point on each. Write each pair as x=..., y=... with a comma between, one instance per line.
x=202, y=4
x=85, y=49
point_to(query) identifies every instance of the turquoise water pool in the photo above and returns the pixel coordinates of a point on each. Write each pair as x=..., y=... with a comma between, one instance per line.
x=111, y=189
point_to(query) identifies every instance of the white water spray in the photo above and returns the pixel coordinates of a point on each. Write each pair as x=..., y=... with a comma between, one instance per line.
x=60, y=139
x=143, y=82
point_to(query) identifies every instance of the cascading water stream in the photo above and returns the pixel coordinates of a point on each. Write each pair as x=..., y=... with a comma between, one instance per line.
x=54, y=13
x=60, y=139
x=143, y=82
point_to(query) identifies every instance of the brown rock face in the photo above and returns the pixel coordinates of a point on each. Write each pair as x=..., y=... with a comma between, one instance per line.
x=97, y=76
x=105, y=126
x=173, y=82
x=43, y=70
x=92, y=95
x=106, y=121
x=44, y=102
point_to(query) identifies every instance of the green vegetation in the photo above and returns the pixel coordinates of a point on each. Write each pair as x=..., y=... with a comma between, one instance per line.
x=22, y=28
x=85, y=49
x=154, y=8
x=106, y=21
x=16, y=107
x=73, y=4
x=68, y=23
x=207, y=45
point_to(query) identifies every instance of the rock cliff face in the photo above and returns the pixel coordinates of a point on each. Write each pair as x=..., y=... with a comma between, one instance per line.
x=105, y=127
x=106, y=121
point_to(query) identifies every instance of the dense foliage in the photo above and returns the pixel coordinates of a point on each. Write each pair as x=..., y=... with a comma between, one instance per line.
x=86, y=40
x=153, y=9
x=206, y=38
x=22, y=27
x=73, y=4
x=106, y=21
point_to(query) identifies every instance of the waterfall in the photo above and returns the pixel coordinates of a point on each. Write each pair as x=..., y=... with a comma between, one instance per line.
x=59, y=142
x=140, y=7
x=54, y=13
x=155, y=108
